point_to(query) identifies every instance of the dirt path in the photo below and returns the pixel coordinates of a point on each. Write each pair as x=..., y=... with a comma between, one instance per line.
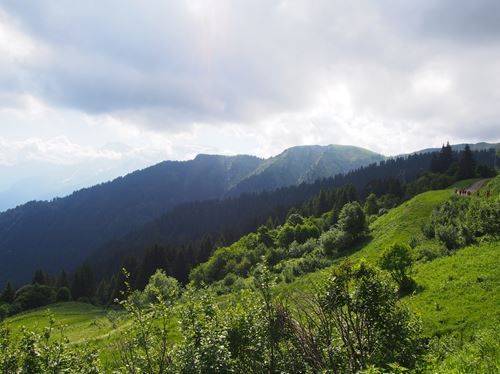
x=476, y=185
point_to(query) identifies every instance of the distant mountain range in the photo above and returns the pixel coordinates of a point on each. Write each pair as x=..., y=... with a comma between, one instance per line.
x=61, y=233
x=460, y=147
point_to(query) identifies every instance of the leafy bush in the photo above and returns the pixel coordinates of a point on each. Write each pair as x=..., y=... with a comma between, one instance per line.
x=352, y=220
x=334, y=241
x=297, y=250
x=450, y=235
x=63, y=294
x=34, y=295
x=461, y=221
x=427, y=182
x=429, y=250
x=453, y=354
x=45, y=352
x=161, y=284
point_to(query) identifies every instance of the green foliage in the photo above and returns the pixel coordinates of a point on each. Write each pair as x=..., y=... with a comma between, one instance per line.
x=286, y=235
x=428, y=182
x=63, y=294
x=163, y=285
x=295, y=219
x=334, y=241
x=8, y=294
x=265, y=236
x=461, y=221
x=397, y=260
x=45, y=352
x=144, y=346
x=429, y=250
x=478, y=354
x=352, y=220
x=371, y=204
x=34, y=295
x=365, y=323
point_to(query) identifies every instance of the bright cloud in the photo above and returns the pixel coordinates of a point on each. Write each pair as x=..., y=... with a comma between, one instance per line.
x=169, y=79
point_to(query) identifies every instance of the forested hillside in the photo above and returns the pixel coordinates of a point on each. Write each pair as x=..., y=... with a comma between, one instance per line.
x=63, y=232
x=416, y=283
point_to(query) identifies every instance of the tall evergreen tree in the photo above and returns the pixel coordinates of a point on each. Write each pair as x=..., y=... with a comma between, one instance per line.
x=39, y=277
x=8, y=294
x=102, y=295
x=83, y=282
x=62, y=280
x=446, y=156
x=466, y=165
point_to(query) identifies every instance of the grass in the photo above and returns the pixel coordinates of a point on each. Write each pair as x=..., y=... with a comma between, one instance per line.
x=397, y=226
x=81, y=323
x=459, y=293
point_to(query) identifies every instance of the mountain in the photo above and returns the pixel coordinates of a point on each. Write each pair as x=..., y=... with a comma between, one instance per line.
x=482, y=146
x=61, y=233
x=305, y=164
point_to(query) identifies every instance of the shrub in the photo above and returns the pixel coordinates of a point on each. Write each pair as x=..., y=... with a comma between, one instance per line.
x=429, y=251
x=450, y=236
x=306, y=231
x=84, y=299
x=352, y=220
x=334, y=241
x=46, y=352
x=286, y=235
x=297, y=250
x=63, y=294
x=4, y=311
x=295, y=219
x=398, y=260
x=161, y=285
x=34, y=295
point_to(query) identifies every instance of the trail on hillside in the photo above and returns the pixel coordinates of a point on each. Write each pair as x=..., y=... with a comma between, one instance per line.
x=476, y=185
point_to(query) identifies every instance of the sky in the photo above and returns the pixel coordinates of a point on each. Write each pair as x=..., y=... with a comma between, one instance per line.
x=91, y=90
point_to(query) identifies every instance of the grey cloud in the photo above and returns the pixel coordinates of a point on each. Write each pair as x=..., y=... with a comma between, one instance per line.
x=168, y=64
x=473, y=21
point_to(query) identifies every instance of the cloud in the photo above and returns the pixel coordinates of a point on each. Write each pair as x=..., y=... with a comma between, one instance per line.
x=261, y=75
x=55, y=151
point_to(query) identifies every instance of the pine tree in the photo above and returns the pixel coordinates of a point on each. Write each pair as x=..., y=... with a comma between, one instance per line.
x=39, y=277
x=446, y=157
x=321, y=204
x=62, y=281
x=102, y=294
x=8, y=294
x=466, y=165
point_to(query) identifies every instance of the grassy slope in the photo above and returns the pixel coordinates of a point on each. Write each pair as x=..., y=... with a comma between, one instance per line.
x=460, y=292
x=398, y=225
x=81, y=323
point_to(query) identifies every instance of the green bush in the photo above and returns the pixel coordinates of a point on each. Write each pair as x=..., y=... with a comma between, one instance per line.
x=34, y=295
x=160, y=284
x=297, y=250
x=334, y=241
x=46, y=352
x=63, y=294
x=450, y=235
x=352, y=220
x=398, y=260
x=429, y=250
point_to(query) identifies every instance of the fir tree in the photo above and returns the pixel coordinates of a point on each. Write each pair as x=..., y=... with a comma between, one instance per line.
x=466, y=165
x=8, y=294
x=39, y=277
